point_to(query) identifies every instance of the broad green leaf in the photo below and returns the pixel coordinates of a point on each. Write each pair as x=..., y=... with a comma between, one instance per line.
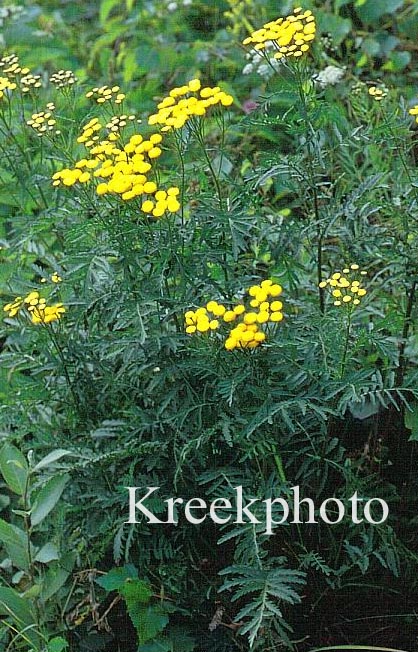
x=149, y=620
x=136, y=591
x=48, y=552
x=16, y=543
x=4, y=501
x=338, y=27
x=11, y=604
x=57, y=574
x=51, y=458
x=115, y=578
x=371, y=10
x=33, y=592
x=19, y=611
x=398, y=61
x=57, y=644
x=48, y=497
x=14, y=468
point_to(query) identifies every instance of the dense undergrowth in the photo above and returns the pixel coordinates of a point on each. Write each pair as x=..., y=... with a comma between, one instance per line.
x=209, y=245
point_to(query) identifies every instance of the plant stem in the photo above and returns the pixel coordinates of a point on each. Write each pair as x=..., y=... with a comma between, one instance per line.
x=347, y=340
x=405, y=331
x=312, y=184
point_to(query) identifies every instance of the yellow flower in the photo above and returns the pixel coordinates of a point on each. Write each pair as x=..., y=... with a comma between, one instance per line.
x=345, y=290
x=183, y=103
x=247, y=333
x=377, y=93
x=291, y=36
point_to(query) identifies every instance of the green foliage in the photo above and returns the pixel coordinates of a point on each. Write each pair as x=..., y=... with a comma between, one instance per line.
x=297, y=180
x=39, y=570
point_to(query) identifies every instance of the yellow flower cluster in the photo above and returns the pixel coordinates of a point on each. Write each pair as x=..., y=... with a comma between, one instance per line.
x=63, y=78
x=414, y=112
x=29, y=81
x=247, y=334
x=121, y=170
x=43, y=122
x=377, y=93
x=36, y=306
x=55, y=278
x=106, y=94
x=290, y=36
x=10, y=66
x=187, y=101
x=6, y=85
x=117, y=122
x=346, y=290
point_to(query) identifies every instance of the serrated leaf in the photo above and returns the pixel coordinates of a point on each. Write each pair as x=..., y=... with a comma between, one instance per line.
x=148, y=620
x=116, y=577
x=57, y=644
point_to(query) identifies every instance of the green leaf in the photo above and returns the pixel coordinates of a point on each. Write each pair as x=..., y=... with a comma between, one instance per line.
x=147, y=619
x=32, y=592
x=371, y=11
x=48, y=552
x=20, y=612
x=136, y=591
x=48, y=497
x=159, y=645
x=411, y=422
x=14, y=468
x=57, y=574
x=117, y=577
x=57, y=644
x=4, y=501
x=11, y=604
x=338, y=27
x=51, y=458
x=16, y=543
x=398, y=61
x=106, y=7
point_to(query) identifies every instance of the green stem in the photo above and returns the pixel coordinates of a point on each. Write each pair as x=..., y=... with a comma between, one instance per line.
x=346, y=343
x=64, y=364
x=312, y=184
x=405, y=331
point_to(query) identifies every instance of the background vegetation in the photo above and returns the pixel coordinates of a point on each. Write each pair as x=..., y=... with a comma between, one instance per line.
x=305, y=174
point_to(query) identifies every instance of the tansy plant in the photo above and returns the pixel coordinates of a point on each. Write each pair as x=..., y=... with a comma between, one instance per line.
x=414, y=111
x=346, y=287
x=186, y=101
x=262, y=308
x=347, y=291
x=36, y=307
x=290, y=36
x=122, y=169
